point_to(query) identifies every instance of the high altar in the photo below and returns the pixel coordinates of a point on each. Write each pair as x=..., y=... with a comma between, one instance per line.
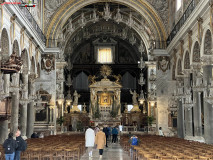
x=105, y=105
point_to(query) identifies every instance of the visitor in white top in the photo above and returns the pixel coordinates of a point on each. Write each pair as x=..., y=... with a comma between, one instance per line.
x=90, y=140
x=160, y=132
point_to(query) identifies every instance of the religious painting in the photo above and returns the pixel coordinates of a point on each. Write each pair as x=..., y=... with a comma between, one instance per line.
x=105, y=99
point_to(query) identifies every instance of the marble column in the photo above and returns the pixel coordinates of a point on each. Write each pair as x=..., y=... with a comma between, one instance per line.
x=188, y=122
x=31, y=109
x=180, y=120
x=3, y=130
x=15, y=103
x=24, y=103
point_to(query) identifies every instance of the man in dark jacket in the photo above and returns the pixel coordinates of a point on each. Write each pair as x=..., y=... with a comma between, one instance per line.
x=10, y=146
x=106, y=131
x=114, y=134
x=22, y=145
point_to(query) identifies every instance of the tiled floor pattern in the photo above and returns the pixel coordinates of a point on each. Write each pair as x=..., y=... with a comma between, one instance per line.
x=113, y=152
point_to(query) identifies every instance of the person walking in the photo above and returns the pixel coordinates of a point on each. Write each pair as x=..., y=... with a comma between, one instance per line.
x=22, y=145
x=90, y=140
x=106, y=131
x=96, y=129
x=114, y=134
x=10, y=146
x=100, y=141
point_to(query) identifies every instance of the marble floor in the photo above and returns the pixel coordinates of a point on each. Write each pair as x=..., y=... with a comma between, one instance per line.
x=112, y=152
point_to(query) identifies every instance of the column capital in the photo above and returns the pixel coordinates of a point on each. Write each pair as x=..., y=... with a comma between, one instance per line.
x=32, y=77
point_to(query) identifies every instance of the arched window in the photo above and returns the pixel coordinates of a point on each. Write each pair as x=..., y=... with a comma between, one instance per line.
x=80, y=82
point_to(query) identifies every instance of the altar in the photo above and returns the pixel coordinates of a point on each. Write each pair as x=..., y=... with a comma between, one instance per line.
x=105, y=106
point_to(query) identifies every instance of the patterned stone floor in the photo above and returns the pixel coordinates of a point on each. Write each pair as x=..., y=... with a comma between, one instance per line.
x=113, y=152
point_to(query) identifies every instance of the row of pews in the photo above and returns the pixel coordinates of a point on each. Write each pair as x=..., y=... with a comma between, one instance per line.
x=167, y=148
x=57, y=147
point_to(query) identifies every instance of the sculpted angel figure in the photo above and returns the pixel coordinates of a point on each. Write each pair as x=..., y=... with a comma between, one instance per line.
x=92, y=79
x=118, y=78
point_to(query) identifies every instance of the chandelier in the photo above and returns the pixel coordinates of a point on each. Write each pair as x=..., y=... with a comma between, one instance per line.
x=141, y=64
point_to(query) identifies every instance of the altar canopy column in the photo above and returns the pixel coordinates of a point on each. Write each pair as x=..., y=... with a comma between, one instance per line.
x=24, y=103
x=31, y=109
x=15, y=103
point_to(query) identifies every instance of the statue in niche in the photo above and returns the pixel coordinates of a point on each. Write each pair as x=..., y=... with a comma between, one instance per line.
x=76, y=96
x=134, y=97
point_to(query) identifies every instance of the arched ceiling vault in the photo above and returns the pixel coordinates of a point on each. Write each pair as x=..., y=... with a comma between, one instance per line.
x=68, y=8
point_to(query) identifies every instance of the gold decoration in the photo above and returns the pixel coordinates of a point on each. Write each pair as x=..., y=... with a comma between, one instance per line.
x=105, y=71
x=118, y=78
x=92, y=79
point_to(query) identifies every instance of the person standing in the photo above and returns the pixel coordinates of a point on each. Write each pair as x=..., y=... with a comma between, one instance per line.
x=90, y=140
x=22, y=145
x=114, y=134
x=106, y=131
x=100, y=140
x=10, y=146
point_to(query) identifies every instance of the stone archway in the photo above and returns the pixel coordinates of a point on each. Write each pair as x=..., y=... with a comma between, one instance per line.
x=187, y=61
x=196, y=53
x=179, y=67
x=208, y=43
x=16, y=47
x=4, y=42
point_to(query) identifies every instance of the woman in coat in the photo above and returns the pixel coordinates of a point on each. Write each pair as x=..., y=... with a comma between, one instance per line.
x=90, y=140
x=100, y=140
